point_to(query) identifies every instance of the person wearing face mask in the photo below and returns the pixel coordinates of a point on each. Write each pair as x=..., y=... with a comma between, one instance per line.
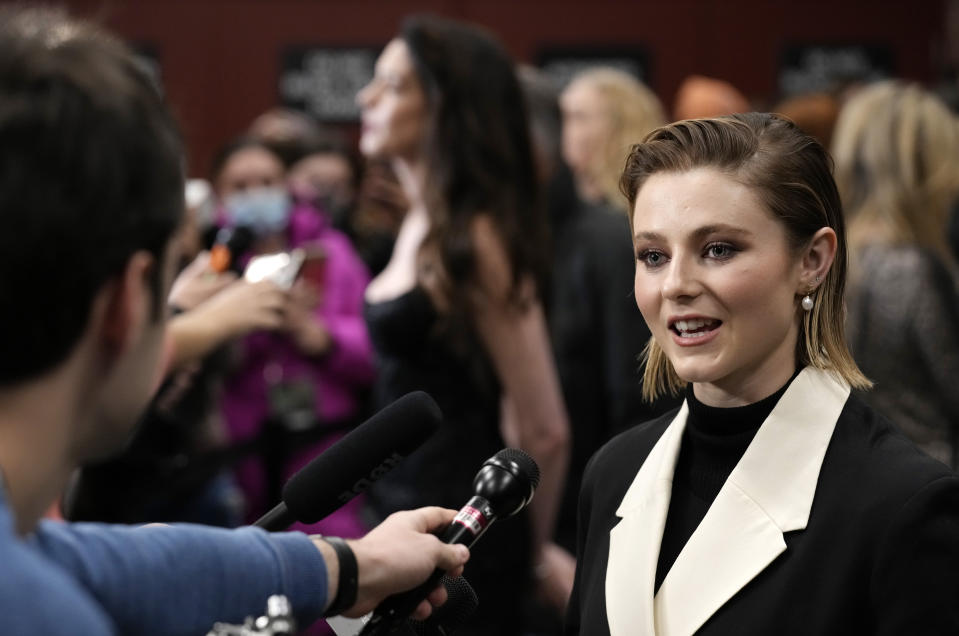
x=299, y=388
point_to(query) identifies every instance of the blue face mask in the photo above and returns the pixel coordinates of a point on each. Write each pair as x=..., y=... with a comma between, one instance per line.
x=263, y=210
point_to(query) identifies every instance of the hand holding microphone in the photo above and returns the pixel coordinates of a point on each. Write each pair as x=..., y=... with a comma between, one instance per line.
x=402, y=552
x=503, y=486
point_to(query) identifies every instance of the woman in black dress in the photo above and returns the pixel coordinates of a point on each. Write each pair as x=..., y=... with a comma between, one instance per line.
x=456, y=312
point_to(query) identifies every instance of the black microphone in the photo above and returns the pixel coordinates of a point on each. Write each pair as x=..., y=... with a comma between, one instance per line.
x=460, y=604
x=351, y=465
x=229, y=245
x=503, y=486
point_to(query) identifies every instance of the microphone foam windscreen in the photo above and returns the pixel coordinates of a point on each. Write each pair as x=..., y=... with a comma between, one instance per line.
x=369, y=451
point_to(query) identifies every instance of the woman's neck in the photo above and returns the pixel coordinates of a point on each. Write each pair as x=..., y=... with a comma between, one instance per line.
x=760, y=384
x=411, y=174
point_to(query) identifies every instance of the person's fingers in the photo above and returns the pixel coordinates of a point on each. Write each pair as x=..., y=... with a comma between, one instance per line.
x=432, y=518
x=457, y=571
x=265, y=287
x=422, y=611
x=438, y=596
x=219, y=284
x=200, y=263
x=451, y=557
x=270, y=319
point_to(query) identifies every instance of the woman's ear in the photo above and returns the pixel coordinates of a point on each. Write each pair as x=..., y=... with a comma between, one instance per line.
x=817, y=258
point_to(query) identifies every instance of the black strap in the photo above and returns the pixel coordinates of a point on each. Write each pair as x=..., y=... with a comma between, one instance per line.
x=348, y=582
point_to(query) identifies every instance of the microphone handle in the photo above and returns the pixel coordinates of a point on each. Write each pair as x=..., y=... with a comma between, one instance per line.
x=277, y=519
x=469, y=525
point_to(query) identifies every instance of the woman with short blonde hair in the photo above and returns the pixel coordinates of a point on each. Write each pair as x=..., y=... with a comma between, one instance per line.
x=605, y=111
x=773, y=501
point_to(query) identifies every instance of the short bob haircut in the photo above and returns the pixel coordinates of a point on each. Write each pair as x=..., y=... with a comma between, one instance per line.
x=792, y=175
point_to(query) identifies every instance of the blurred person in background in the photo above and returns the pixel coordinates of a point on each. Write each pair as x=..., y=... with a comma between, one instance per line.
x=605, y=111
x=896, y=149
x=366, y=203
x=328, y=175
x=699, y=96
x=286, y=131
x=814, y=113
x=363, y=199
x=300, y=388
x=457, y=310
x=597, y=332
x=177, y=452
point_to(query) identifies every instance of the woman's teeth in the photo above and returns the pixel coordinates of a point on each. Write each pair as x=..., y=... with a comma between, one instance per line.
x=694, y=327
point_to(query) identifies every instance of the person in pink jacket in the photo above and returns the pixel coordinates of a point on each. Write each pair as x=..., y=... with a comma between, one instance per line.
x=294, y=391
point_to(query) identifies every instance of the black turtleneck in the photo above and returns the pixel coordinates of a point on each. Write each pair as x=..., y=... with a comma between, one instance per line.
x=714, y=441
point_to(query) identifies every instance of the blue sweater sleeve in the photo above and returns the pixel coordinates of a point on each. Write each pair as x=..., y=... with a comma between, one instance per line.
x=182, y=579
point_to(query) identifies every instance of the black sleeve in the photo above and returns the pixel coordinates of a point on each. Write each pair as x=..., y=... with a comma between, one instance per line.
x=572, y=623
x=915, y=579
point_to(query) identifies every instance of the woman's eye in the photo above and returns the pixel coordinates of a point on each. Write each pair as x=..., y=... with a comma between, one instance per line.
x=719, y=250
x=651, y=258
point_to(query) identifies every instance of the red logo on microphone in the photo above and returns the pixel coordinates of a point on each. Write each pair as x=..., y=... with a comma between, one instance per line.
x=474, y=520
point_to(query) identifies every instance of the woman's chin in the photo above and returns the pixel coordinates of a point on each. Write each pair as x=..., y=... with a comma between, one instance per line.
x=696, y=373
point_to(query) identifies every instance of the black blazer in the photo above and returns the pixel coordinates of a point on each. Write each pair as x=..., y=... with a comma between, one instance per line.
x=832, y=523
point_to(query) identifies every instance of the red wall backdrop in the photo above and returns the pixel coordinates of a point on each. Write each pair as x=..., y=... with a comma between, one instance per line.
x=220, y=59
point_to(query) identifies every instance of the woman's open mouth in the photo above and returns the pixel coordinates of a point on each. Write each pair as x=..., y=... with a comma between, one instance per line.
x=694, y=330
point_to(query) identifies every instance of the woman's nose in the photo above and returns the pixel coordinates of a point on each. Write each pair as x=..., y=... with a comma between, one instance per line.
x=364, y=95
x=681, y=280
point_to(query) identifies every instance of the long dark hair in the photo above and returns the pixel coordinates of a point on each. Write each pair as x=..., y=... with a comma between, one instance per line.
x=478, y=154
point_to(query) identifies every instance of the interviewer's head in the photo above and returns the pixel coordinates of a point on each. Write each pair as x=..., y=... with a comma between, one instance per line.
x=91, y=192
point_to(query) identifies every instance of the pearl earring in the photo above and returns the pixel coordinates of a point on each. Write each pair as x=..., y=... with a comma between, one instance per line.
x=807, y=302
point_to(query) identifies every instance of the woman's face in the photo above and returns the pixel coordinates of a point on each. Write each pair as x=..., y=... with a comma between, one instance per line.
x=326, y=174
x=249, y=168
x=717, y=284
x=394, y=108
x=586, y=130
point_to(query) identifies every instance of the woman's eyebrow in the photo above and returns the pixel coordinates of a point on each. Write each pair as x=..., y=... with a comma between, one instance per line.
x=698, y=233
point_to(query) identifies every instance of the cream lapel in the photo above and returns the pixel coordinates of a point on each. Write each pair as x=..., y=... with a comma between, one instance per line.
x=769, y=492
x=634, y=542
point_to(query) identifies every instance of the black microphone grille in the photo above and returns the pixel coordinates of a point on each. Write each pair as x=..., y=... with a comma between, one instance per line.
x=523, y=461
x=462, y=597
x=454, y=613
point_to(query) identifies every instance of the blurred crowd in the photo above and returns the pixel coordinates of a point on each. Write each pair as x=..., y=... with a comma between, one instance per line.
x=473, y=242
